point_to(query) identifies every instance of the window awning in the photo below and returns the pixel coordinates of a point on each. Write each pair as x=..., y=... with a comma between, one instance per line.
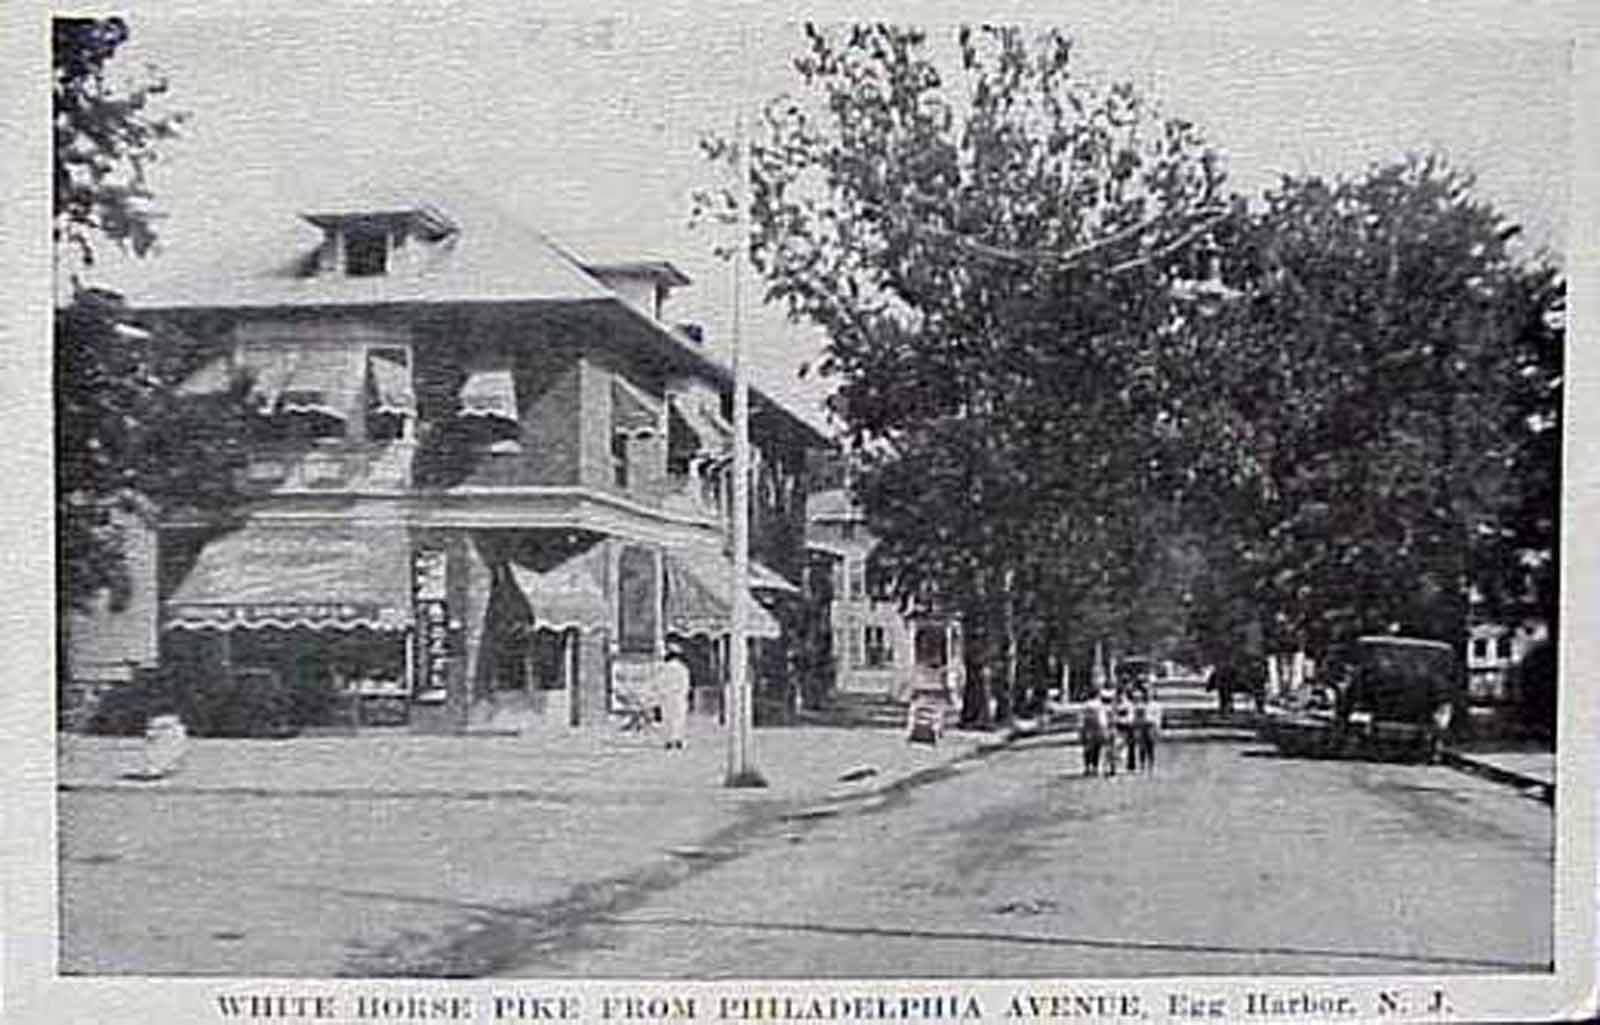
x=319, y=380
x=266, y=576
x=490, y=390
x=700, y=598
x=631, y=412
x=389, y=384
x=764, y=578
x=213, y=377
x=569, y=596
x=714, y=434
x=269, y=369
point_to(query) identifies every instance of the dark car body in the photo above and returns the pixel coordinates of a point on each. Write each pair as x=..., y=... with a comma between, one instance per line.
x=1384, y=697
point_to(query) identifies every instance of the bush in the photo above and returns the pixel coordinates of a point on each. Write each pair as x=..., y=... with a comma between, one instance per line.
x=1534, y=680
x=124, y=710
x=239, y=705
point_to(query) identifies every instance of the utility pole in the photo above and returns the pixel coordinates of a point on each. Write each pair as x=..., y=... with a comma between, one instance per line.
x=741, y=756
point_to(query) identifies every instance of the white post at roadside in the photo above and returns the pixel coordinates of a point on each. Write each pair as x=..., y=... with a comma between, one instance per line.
x=741, y=720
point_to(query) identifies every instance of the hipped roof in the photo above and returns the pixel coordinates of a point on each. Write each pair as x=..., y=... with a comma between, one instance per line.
x=492, y=258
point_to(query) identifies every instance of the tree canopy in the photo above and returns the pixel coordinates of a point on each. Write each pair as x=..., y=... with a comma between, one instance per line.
x=127, y=445
x=992, y=256
x=1094, y=393
x=1382, y=392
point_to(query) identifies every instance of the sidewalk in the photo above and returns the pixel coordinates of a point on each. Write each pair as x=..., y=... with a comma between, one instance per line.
x=392, y=854
x=800, y=762
x=1532, y=770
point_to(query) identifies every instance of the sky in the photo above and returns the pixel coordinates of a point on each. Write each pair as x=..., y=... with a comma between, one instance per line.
x=587, y=125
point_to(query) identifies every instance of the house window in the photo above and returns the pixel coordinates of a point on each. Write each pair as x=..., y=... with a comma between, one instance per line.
x=391, y=399
x=858, y=579
x=1480, y=647
x=847, y=530
x=1503, y=648
x=619, y=459
x=878, y=584
x=879, y=652
x=366, y=252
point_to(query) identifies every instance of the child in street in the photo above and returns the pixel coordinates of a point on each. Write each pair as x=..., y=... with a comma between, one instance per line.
x=1122, y=746
x=1146, y=728
x=1094, y=725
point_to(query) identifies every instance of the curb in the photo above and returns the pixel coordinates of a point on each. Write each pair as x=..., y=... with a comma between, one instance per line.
x=1545, y=791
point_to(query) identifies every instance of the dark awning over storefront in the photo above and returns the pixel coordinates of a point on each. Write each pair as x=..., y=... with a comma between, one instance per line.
x=270, y=576
x=570, y=596
x=700, y=599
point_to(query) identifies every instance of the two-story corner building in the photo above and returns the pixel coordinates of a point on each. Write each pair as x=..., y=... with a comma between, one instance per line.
x=878, y=647
x=493, y=480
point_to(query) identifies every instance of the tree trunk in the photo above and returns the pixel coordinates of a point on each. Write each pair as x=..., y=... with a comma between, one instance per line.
x=1009, y=696
x=975, y=710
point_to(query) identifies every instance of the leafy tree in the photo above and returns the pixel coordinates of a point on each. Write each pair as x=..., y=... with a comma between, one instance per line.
x=991, y=256
x=126, y=444
x=1369, y=467
x=105, y=138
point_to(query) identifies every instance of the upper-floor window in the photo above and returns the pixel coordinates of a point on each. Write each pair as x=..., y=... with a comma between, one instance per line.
x=366, y=251
x=1480, y=647
x=319, y=391
x=858, y=578
x=879, y=649
x=619, y=459
x=1502, y=646
x=879, y=585
x=391, y=402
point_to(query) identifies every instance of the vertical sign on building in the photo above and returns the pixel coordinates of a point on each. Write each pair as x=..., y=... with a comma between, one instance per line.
x=433, y=618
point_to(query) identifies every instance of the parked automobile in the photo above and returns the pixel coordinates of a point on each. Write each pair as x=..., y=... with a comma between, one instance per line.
x=1381, y=697
x=1135, y=671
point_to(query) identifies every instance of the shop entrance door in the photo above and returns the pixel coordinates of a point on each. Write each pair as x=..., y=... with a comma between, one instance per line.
x=550, y=675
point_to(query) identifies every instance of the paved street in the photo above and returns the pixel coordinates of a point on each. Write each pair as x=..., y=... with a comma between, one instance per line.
x=640, y=865
x=379, y=855
x=1227, y=862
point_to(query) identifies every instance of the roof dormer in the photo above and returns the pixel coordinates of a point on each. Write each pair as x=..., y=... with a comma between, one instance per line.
x=367, y=243
x=644, y=283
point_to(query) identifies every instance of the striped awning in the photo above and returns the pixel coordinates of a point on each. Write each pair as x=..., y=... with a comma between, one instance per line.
x=700, y=597
x=294, y=576
x=765, y=578
x=631, y=411
x=319, y=380
x=389, y=386
x=213, y=377
x=569, y=596
x=714, y=434
x=490, y=390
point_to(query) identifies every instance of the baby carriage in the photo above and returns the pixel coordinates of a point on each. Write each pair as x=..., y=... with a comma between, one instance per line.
x=633, y=713
x=925, y=716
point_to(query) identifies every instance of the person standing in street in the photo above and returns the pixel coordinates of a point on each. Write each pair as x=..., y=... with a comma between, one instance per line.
x=1146, y=728
x=1122, y=714
x=673, y=683
x=1094, y=726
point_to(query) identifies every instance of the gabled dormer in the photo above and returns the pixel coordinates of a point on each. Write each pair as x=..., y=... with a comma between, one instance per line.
x=371, y=243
